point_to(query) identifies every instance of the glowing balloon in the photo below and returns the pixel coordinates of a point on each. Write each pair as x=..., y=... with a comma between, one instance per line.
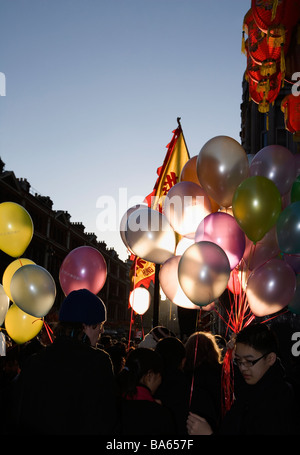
x=33, y=290
x=83, y=268
x=168, y=279
x=270, y=287
x=183, y=245
x=10, y=271
x=222, y=165
x=124, y=221
x=276, y=163
x=20, y=326
x=294, y=304
x=203, y=272
x=16, y=229
x=223, y=229
x=288, y=229
x=265, y=249
x=185, y=205
x=256, y=206
x=4, y=304
x=150, y=236
x=139, y=300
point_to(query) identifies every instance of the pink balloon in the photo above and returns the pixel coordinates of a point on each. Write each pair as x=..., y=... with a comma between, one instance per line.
x=83, y=268
x=270, y=287
x=223, y=229
x=277, y=164
x=297, y=163
x=265, y=249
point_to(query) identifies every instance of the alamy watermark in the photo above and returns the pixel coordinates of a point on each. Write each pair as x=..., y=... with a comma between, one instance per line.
x=112, y=213
x=2, y=84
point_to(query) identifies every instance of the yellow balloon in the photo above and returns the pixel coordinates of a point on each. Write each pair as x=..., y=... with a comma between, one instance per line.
x=16, y=229
x=256, y=206
x=9, y=273
x=20, y=326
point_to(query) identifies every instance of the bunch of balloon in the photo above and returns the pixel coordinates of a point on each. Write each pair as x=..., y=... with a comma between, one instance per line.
x=29, y=287
x=83, y=268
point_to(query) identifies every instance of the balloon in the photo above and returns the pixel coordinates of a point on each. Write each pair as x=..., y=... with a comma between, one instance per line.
x=288, y=229
x=83, y=268
x=182, y=245
x=185, y=205
x=238, y=280
x=4, y=304
x=223, y=229
x=20, y=326
x=139, y=300
x=168, y=279
x=124, y=221
x=2, y=345
x=276, y=163
x=297, y=163
x=203, y=272
x=150, y=236
x=16, y=229
x=256, y=206
x=294, y=304
x=295, y=191
x=33, y=290
x=270, y=287
x=222, y=165
x=265, y=249
x=189, y=174
x=10, y=271
x=293, y=260
x=189, y=171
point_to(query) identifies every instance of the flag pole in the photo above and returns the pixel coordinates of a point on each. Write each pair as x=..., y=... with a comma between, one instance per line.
x=156, y=296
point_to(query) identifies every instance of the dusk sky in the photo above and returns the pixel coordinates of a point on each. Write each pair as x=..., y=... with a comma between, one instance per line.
x=94, y=89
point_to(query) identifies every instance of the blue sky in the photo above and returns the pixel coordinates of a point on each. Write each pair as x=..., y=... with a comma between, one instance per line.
x=94, y=89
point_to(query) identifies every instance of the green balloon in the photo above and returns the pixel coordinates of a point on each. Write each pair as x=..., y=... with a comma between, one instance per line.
x=288, y=229
x=256, y=206
x=295, y=191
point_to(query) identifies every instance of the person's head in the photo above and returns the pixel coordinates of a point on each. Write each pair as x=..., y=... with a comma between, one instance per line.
x=153, y=337
x=172, y=352
x=143, y=367
x=201, y=347
x=256, y=351
x=83, y=312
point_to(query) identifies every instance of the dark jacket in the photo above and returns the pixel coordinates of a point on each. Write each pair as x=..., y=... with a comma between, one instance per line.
x=68, y=388
x=267, y=407
x=144, y=416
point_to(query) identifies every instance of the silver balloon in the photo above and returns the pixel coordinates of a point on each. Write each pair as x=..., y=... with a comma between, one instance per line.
x=150, y=236
x=203, y=272
x=124, y=220
x=33, y=290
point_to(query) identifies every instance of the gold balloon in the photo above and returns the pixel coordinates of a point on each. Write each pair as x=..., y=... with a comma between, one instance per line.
x=33, y=289
x=20, y=326
x=256, y=206
x=10, y=271
x=16, y=229
x=222, y=165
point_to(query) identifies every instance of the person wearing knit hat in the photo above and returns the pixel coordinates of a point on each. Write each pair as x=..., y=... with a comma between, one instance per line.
x=84, y=307
x=69, y=387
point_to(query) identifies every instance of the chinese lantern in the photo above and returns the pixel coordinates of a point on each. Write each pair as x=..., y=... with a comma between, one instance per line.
x=290, y=106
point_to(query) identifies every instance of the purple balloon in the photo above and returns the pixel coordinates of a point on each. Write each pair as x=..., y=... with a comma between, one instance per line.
x=277, y=164
x=223, y=229
x=270, y=287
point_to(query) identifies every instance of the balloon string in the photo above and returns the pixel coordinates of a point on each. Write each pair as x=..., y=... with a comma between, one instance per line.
x=48, y=330
x=193, y=376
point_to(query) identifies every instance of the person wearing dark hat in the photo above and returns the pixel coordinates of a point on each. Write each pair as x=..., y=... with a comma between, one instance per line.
x=69, y=388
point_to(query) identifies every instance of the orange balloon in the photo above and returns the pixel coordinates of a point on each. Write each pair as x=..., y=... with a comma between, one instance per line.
x=189, y=174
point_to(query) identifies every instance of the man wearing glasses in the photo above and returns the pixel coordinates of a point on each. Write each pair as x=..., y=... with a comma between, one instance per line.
x=264, y=402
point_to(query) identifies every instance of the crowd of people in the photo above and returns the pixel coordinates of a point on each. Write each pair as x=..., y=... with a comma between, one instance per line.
x=82, y=383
